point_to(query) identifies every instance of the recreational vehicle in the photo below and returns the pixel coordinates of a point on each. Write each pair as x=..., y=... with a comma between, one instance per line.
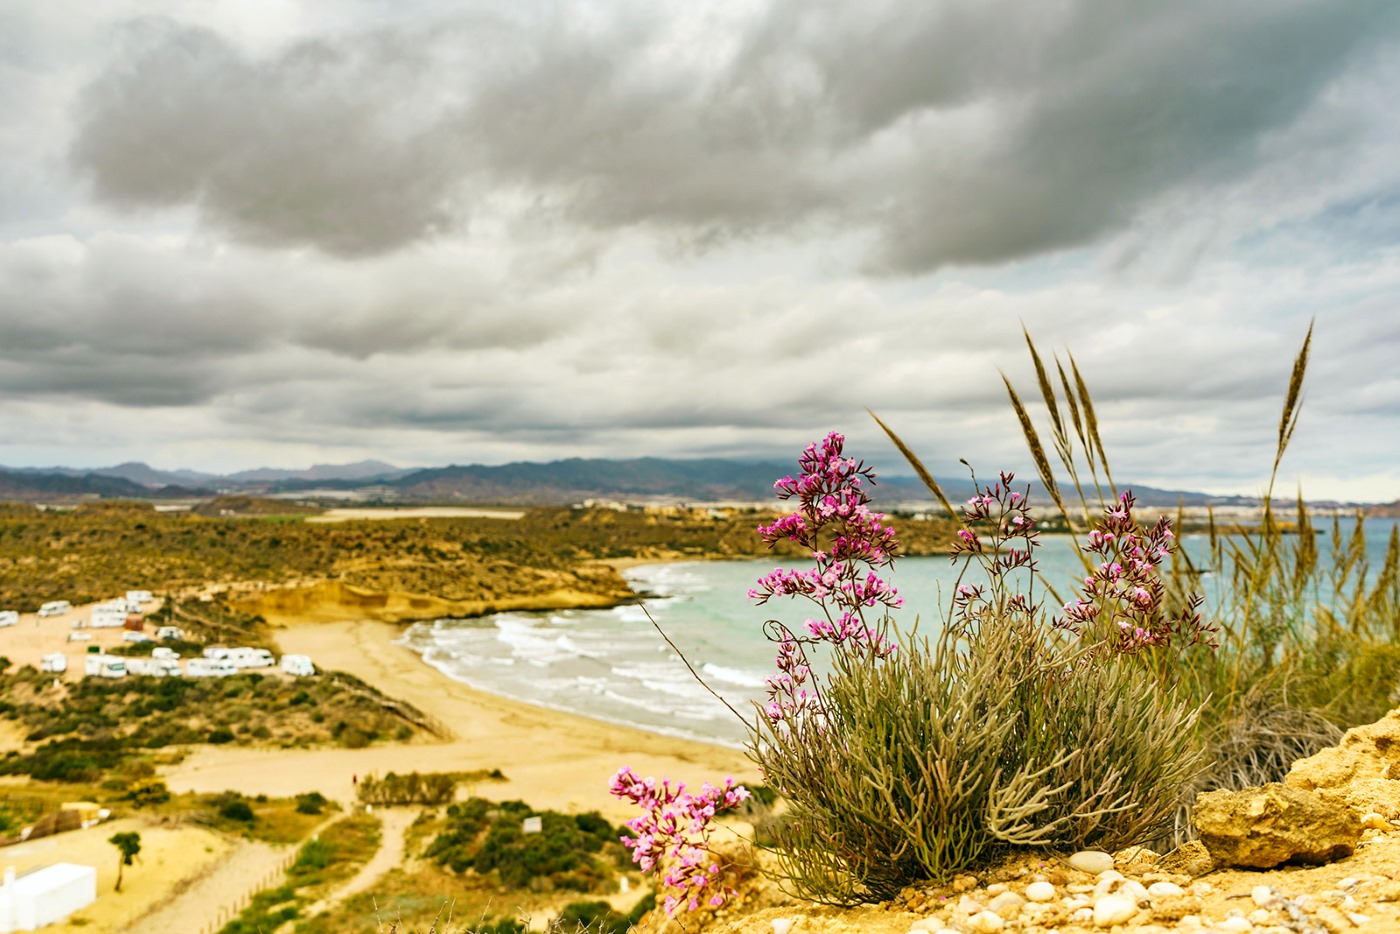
x=174, y=633
x=298, y=666
x=210, y=668
x=55, y=663
x=55, y=608
x=108, y=616
x=139, y=597
x=9, y=618
x=104, y=666
x=154, y=667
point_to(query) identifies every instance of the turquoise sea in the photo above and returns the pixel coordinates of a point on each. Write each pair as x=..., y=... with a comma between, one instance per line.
x=613, y=665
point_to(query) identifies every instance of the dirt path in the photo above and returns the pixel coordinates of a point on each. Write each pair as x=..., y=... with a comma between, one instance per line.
x=208, y=900
x=393, y=824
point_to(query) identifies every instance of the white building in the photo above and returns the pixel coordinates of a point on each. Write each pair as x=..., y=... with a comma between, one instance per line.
x=9, y=618
x=45, y=896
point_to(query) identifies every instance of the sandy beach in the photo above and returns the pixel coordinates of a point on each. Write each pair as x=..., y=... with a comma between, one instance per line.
x=551, y=759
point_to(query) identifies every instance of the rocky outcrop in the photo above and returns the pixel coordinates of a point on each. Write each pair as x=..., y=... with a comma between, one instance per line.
x=1361, y=773
x=1260, y=828
x=330, y=601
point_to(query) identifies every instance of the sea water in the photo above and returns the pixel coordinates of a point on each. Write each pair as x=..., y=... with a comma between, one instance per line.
x=614, y=665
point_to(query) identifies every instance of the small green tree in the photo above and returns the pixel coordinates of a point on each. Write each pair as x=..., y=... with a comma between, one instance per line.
x=128, y=844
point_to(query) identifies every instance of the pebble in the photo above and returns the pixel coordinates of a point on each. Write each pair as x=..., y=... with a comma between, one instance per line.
x=996, y=888
x=1348, y=883
x=1079, y=889
x=1374, y=821
x=1202, y=888
x=986, y=922
x=1082, y=915
x=1264, y=897
x=1235, y=925
x=1091, y=861
x=1260, y=916
x=1006, y=904
x=964, y=883
x=927, y=924
x=1040, y=892
x=1163, y=889
x=1358, y=919
x=782, y=925
x=1113, y=909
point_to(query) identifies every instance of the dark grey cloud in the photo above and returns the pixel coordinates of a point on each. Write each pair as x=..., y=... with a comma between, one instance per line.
x=958, y=132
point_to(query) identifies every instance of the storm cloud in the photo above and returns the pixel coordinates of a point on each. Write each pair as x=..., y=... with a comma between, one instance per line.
x=438, y=232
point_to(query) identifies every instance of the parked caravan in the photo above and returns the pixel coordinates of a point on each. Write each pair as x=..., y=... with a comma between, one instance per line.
x=298, y=666
x=210, y=668
x=216, y=651
x=108, y=616
x=55, y=608
x=244, y=657
x=104, y=666
x=154, y=667
x=161, y=651
x=9, y=618
x=55, y=663
x=174, y=633
x=139, y=597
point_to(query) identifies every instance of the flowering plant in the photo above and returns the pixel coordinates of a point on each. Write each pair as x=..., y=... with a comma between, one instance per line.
x=907, y=758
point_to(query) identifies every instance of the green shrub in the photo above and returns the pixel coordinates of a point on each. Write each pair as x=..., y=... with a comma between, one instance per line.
x=592, y=917
x=311, y=803
x=238, y=810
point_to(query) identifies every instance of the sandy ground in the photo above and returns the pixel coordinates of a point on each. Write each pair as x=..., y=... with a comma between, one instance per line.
x=551, y=759
x=407, y=512
x=171, y=858
x=393, y=824
x=36, y=637
x=205, y=900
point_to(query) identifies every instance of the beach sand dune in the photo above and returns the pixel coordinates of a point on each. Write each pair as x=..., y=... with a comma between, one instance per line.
x=551, y=759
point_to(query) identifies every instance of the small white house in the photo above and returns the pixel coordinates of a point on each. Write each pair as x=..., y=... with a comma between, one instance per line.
x=55, y=608
x=139, y=597
x=45, y=896
x=298, y=666
x=55, y=663
x=9, y=618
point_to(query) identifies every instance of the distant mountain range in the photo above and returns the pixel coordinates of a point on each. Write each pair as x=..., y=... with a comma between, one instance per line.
x=647, y=479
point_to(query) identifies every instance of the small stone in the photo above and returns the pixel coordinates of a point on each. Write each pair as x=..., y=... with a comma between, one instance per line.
x=986, y=922
x=1347, y=884
x=1190, y=921
x=1007, y=904
x=1040, y=892
x=1191, y=859
x=1134, y=890
x=1235, y=925
x=1264, y=897
x=1091, y=861
x=1113, y=909
x=1163, y=889
x=1079, y=889
x=1082, y=915
x=927, y=924
x=1358, y=919
x=996, y=888
x=1202, y=888
x=1333, y=920
x=1374, y=821
x=1175, y=907
x=1110, y=875
x=1260, y=916
x=782, y=925
x=970, y=906
x=964, y=883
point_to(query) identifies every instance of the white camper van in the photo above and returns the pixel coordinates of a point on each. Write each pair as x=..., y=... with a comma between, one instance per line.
x=104, y=666
x=139, y=597
x=110, y=615
x=55, y=608
x=55, y=663
x=9, y=618
x=154, y=667
x=298, y=666
x=210, y=668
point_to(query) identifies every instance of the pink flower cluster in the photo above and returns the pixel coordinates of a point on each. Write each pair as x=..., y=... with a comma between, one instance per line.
x=847, y=541
x=1123, y=602
x=676, y=825
x=1000, y=535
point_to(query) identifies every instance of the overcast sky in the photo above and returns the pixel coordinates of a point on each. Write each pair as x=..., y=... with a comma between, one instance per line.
x=237, y=233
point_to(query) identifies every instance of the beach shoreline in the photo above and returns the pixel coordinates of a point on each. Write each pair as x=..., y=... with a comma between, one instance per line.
x=551, y=759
